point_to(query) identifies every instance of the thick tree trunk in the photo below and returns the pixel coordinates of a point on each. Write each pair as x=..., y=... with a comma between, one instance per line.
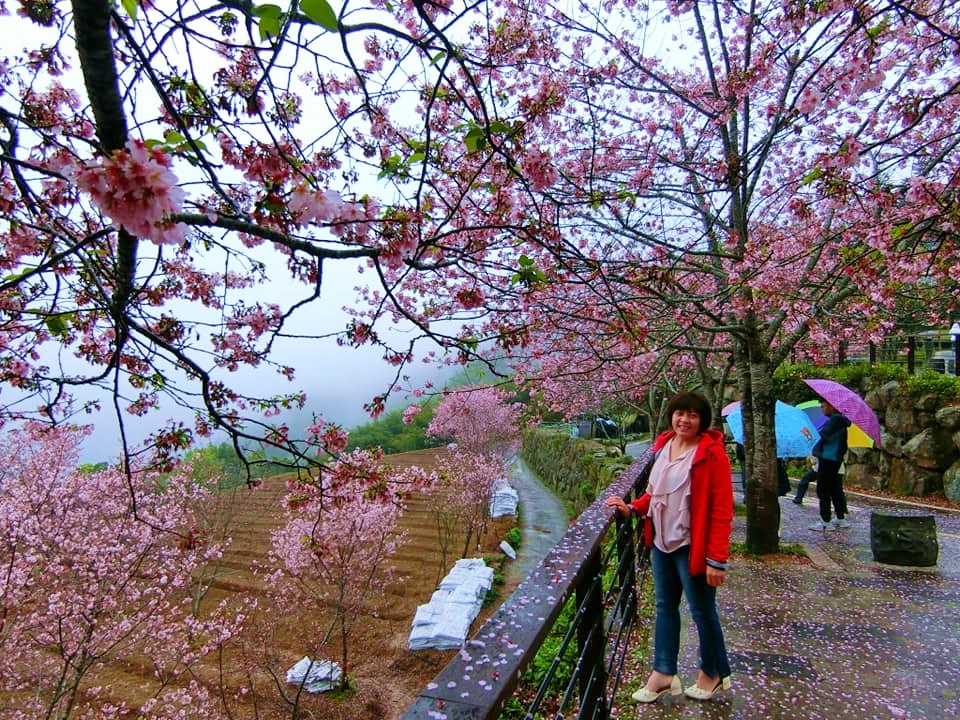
x=760, y=480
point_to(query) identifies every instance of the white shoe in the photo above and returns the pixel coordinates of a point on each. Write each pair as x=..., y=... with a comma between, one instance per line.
x=648, y=696
x=820, y=526
x=698, y=693
x=841, y=523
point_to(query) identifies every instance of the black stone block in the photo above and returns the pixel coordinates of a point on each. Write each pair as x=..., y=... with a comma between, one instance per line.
x=901, y=538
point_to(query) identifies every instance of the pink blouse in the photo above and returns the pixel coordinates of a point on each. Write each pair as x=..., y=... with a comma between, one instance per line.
x=669, y=489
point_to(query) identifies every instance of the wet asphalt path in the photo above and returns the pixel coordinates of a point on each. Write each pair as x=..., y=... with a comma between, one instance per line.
x=543, y=517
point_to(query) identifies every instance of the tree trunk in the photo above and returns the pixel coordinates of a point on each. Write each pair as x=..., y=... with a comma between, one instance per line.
x=760, y=480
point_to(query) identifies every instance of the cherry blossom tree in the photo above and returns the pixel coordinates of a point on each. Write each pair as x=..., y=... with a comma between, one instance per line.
x=758, y=182
x=478, y=419
x=331, y=558
x=715, y=183
x=158, y=170
x=728, y=184
x=466, y=481
x=84, y=583
x=484, y=427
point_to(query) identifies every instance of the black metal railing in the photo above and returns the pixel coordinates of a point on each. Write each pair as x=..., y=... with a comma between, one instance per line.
x=595, y=565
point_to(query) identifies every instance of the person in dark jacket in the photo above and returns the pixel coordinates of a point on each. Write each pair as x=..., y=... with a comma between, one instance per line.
x=830, y=451
x=688, y=507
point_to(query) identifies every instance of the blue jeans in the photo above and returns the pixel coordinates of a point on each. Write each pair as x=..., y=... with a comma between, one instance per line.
x=671, y=579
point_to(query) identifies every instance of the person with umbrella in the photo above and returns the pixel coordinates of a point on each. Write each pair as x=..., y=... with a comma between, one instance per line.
x=830, y=451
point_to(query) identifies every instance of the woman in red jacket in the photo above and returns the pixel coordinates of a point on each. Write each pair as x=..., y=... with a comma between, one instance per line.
x=689, y=506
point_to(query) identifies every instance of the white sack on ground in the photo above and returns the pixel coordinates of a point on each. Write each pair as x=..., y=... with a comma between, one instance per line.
x=504, y=500
x=443, y=623
x=316, y=675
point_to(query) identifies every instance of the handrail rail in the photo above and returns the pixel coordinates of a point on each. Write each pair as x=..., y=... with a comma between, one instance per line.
x=483, y=675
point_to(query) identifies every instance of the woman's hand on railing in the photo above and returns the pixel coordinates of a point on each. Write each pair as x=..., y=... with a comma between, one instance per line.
x=618, y=504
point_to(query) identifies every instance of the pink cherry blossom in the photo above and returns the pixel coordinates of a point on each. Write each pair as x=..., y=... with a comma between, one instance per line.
x=136, y=188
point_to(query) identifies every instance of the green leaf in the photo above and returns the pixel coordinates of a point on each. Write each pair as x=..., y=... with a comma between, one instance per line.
x=321, y=13
x=130, y=6
x=898, y=232
x=57, y=325
x=474, y=139
x=270, y=17
x=528, y=274
x=392, y=165
x=814, y=174
x=267, y=11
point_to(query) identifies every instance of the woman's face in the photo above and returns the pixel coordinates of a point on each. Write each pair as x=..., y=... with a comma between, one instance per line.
x=686, y=424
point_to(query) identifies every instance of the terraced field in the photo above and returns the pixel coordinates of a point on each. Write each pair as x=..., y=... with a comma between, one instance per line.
x=386, y=674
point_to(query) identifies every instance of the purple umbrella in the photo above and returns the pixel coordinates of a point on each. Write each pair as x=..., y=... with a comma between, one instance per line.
x=849, y=403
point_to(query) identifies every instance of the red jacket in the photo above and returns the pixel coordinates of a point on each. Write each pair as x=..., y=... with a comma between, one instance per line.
x=711, y=502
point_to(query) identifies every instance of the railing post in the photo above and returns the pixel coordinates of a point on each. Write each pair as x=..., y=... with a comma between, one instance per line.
x=592, y=639
x=482, y=676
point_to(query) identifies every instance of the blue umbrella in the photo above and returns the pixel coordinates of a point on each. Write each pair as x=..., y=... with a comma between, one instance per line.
x=796, y=434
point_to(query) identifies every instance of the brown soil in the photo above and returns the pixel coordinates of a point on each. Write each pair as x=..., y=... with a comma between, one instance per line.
x=938, y=500
x=385, y=675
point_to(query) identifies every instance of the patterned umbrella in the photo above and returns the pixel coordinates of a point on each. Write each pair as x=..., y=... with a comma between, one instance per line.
x=856, y=437
x=849, y=403
x=794, y=429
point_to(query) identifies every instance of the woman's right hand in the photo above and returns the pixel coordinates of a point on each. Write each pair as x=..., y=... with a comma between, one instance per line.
x=618, y=504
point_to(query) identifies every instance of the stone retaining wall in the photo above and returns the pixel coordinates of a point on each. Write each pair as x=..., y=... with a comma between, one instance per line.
x=920, y=453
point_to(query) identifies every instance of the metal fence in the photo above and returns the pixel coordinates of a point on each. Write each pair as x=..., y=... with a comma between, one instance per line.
x=929, y=350
x=595, y=566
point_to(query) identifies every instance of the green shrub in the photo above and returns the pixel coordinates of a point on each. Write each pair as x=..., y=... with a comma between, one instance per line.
x=788, y=384
x=574, y=468
x=515, y=707
x=945, y=388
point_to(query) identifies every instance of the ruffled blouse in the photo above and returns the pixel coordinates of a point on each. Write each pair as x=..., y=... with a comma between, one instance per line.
x=669, y=489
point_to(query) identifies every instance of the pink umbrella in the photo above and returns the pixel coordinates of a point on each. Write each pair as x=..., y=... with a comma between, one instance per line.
x=849, y=403
x=729, y=408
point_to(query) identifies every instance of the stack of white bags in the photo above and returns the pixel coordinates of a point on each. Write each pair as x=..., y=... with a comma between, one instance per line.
x=504, y=500
x=316, y=675
x=444, y=622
